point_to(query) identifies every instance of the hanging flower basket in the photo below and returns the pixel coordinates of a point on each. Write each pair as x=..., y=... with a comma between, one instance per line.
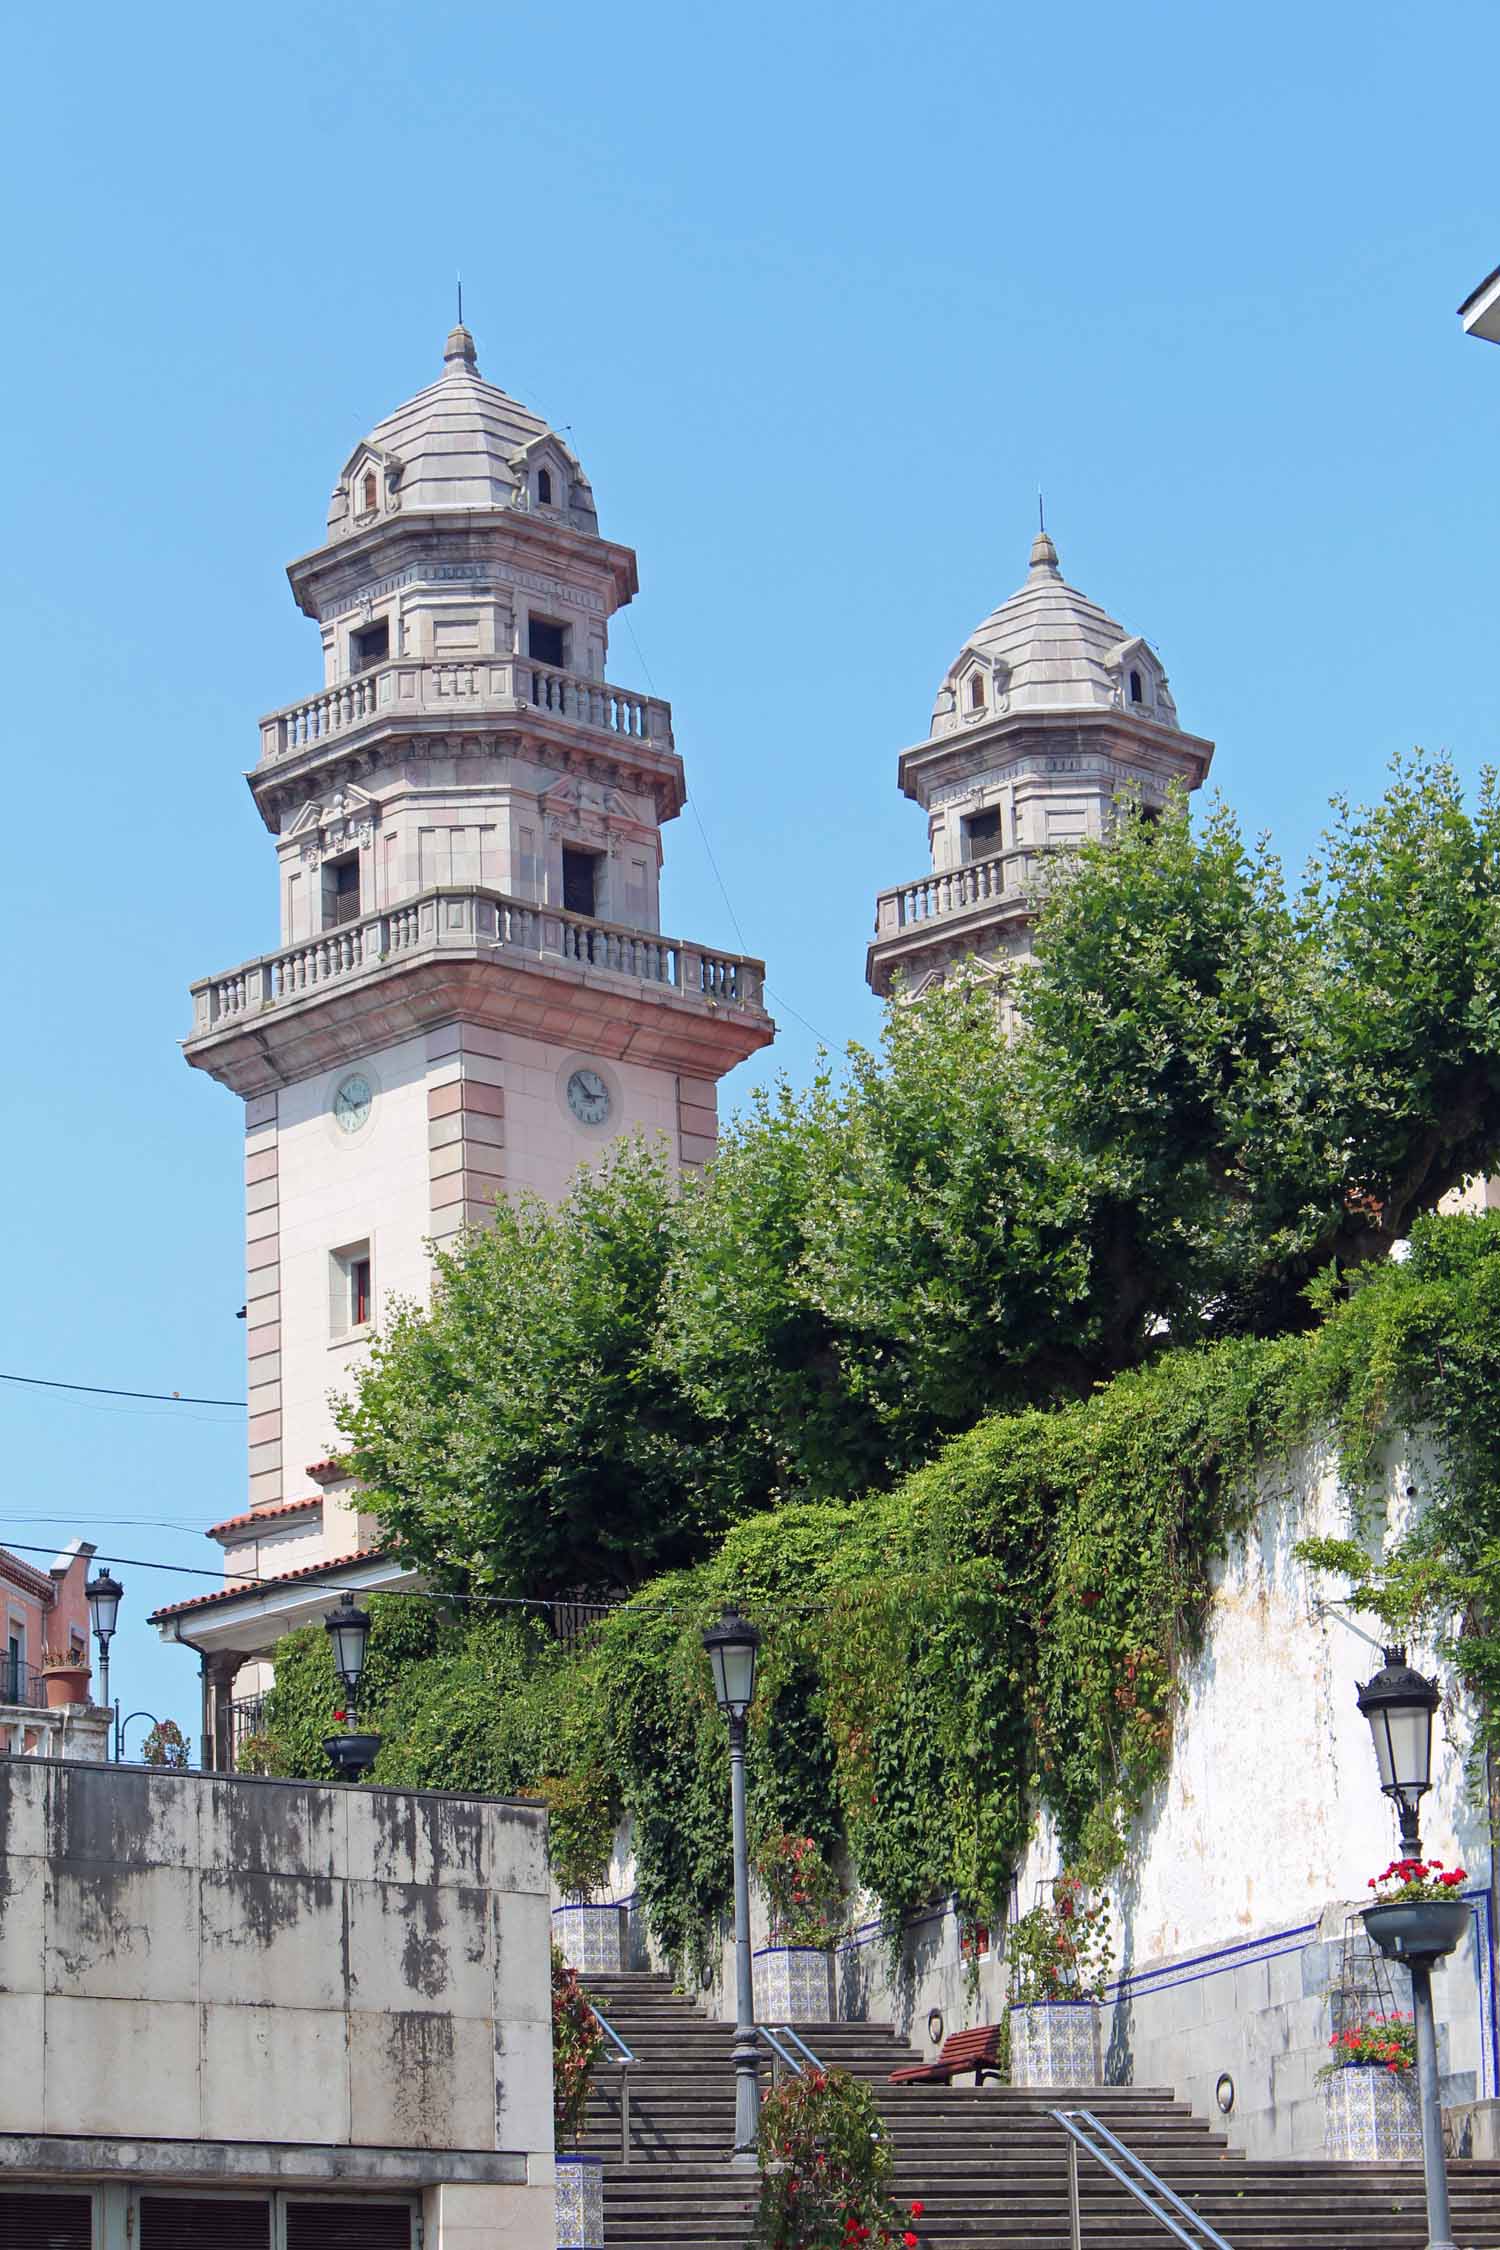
x=1370, y=2114
x=588, y=1935
x=793, y=1984
x=1425, y=1930
x=1418, y=1914
x=1056, y=2043
x=580, y=2203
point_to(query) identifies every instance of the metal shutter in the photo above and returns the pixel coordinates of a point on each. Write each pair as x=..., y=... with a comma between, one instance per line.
x=348, y=2226
x=46, y=2222
x=204, y=2222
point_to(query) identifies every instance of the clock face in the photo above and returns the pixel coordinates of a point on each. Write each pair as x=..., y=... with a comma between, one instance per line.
x=351, y=1104
x=588, y=1097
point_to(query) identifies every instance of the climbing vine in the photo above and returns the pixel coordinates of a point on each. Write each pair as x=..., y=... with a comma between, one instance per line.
x=1004, y=1630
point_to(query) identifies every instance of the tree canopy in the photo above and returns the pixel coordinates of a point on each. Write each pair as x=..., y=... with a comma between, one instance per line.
x=1219, y=1092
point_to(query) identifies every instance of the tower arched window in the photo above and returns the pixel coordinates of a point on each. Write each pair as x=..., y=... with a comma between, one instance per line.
x=976, y=691
x=368, y=492
x=1137, y=688
x=544, y=487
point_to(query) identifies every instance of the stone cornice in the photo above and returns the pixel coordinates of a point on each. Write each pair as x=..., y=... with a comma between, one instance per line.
x=1028, y=739
x=329, y=575
x=262, y=1027
x=384, y=741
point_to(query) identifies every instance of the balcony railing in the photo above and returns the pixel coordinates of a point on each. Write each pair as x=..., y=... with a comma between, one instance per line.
x=406, y=690
x=957, y=890
x=472, y=920
x=21, y=1684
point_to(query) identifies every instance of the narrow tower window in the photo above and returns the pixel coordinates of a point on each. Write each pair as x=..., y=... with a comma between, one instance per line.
x=544, y=487
x=1137, y=692
x=976, y=691
x=340, y=890
x=372, y=645
x=982, y=833
x=351, y=1294
x=368, y=493
x=580, y=881
x=546, y=642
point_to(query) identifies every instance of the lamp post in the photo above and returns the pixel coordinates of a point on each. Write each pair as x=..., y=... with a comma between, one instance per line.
x=103, y=1595
x=348, y=1630
x=1399, y=1704
x=732, y=1646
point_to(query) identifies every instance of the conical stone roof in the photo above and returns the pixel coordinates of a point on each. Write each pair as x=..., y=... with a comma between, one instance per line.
x=454, y=445
x=1053, y=649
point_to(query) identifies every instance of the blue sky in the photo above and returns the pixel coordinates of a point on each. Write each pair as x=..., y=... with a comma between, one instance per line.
x=821, y=296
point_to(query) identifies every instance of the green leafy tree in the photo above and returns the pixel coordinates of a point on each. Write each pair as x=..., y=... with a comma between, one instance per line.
x=520, y=1435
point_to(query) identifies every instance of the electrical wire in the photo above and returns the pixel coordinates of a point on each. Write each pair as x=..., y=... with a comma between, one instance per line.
x=247, y=1581
x=779, y=997
x=107, y=1390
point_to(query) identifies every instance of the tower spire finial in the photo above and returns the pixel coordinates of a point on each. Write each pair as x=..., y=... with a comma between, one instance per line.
x=460, y=280
x=1043, y=553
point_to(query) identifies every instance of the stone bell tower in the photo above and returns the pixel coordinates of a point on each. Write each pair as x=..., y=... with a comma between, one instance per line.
x=1049, y=711
x=472, y=993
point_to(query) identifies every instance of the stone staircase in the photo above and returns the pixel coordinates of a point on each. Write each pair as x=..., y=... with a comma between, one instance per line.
x=990, y=2167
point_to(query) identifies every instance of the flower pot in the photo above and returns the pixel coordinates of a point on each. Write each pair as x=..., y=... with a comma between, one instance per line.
x=589, y=1935
x=66, y=1683
x=1370, y=2114
x=580, y=2202
x=793, y=1984
x=1423, y=1930
x=1056, y=2043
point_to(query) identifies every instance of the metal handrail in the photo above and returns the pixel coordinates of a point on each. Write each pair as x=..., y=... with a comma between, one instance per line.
x=786, y=2032
x=624, y=2061
x=1144, y=2187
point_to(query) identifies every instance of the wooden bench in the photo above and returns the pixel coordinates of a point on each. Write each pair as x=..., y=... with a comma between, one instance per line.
x=962, y=2051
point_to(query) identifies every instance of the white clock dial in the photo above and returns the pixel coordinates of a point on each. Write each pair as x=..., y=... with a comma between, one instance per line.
x=588, y=1097
x=351, y=1104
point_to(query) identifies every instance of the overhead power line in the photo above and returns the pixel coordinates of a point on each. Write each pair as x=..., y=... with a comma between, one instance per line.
x=108, y=1390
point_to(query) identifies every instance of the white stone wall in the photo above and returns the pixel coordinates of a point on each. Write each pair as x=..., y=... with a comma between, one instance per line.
x=339, y=1188
x=462, y=1114
x=1246, y=1867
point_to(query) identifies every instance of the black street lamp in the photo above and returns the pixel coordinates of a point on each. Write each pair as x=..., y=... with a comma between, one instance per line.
x=348, y=1630
x=103, y=1594
x=732, y=1646
x=1399, y=1703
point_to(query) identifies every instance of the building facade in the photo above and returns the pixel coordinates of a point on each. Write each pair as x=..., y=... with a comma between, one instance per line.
x=1048, y=715
x=472, y=994
x=46, y=1619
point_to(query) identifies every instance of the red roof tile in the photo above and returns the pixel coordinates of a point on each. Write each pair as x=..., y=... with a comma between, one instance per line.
x=333, y=1471
x=265, y=1515
x=251, y=1586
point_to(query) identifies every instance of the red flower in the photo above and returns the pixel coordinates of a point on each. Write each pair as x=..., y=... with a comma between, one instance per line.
x=917, y=2209
x=909, y=2240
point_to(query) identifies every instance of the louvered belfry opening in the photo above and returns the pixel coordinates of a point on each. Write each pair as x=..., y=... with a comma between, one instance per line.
x=46, y=2222
x=348, y=2226
x=205, y=2222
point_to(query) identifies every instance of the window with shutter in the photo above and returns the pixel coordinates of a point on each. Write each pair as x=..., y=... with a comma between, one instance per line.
x=46, y=2222
x=348, y=2226
x=205, y=2222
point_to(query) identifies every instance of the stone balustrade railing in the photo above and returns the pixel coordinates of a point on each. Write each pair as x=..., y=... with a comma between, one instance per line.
x=480, y=683
x=473, y=920
x=957, y=890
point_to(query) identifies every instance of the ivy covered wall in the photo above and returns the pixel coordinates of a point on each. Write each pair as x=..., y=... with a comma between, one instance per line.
x=1006, y=1633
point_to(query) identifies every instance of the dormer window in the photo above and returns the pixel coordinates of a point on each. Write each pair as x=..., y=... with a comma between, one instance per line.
x=1137, y=687
x=976, y=691
x=544, y=488
x=369, y=493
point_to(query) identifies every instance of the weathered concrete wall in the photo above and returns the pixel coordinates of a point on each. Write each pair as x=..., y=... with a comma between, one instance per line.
x=226, y=1963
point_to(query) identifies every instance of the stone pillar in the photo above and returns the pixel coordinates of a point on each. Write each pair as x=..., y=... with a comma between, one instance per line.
x=219, y=1673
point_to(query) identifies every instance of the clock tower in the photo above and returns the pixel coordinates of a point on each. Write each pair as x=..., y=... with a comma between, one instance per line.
x=472, y=994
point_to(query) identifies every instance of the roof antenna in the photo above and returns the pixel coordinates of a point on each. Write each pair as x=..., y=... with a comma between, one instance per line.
x=460, y=300
x=1041, y=514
